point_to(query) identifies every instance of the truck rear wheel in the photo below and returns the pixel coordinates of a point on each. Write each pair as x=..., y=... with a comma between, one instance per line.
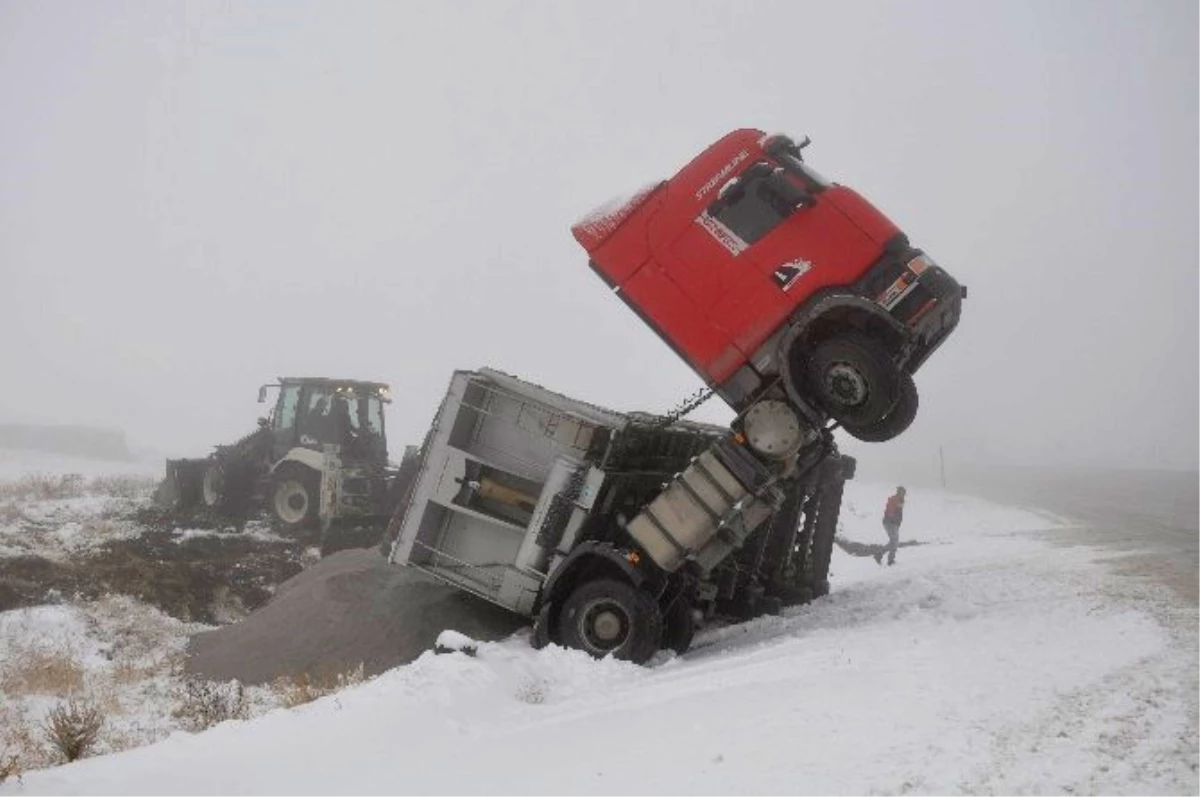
x=853, y=378
x=679, y=628
x=828, y=508
x=608, y=617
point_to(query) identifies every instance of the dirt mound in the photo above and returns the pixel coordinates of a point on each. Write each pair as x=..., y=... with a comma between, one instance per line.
x=351, y=608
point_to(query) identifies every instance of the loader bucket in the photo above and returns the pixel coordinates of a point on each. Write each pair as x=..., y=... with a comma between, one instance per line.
x=182, y=486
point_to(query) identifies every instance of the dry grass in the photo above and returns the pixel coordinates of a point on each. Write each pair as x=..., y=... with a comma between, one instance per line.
x=42, y=672
x=306, y=687
x=10, y=512
x=19, y=741
x=43, y=487
x=122, y=486
x=56, y=486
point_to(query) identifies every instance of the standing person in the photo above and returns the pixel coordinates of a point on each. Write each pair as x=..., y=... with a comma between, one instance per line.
x=893, y=515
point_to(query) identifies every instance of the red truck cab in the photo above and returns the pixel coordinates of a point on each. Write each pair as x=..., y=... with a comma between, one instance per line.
x=762, y=274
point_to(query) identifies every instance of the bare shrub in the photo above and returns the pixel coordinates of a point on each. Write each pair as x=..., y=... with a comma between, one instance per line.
x=42, y=672
x=202, y=704
x=10, y=765
x=306, y=687
x=73, y=729
x=11, y=513
x=47, y=487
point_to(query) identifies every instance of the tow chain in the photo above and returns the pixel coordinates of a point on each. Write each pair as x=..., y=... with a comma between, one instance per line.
x=686, y=406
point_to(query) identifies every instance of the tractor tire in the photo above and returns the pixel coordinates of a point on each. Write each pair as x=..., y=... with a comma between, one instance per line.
x=679, y=626
x=295, y=498
x=213, y=492
x=853, y=378
x=896, y=421
x=607, y=617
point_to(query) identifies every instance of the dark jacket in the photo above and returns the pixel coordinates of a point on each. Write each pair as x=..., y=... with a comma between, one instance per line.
x=894, y=513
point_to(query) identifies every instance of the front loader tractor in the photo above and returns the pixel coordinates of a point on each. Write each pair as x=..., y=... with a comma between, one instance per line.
x=319, y=455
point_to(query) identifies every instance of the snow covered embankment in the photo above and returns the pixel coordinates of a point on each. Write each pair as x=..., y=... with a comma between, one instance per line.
x=984, y=661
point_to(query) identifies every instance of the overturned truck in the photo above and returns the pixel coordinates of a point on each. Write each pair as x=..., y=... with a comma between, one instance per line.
x=617, y=533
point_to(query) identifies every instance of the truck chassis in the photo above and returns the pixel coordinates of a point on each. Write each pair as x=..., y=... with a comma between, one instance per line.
x=616, y=533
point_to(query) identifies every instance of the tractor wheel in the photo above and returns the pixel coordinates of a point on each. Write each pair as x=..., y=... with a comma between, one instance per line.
x=295, y=498
x=896, y=421
x=679, y=627
x=213, y=487
x=853, y=378
x=607, y=617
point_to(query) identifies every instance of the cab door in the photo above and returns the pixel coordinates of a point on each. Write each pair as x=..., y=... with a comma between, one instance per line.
x=283, y=430
x=763, y=247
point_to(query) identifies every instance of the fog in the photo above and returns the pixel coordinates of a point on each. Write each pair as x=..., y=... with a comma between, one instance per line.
x=196, y=198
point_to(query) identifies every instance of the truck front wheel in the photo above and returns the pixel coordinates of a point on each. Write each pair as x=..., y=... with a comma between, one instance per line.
x=896, y=421
x=608, y=617
x=854, y=379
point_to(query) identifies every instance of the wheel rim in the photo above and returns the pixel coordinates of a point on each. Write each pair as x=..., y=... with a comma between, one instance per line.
x=604, y=625
x=214, y=486
x=846, y=386
x=291, y=501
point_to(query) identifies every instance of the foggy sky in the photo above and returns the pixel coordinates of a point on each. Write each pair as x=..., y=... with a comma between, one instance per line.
x=196, y=198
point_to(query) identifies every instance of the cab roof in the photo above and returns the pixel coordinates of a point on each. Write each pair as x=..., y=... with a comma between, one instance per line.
x=322, y=380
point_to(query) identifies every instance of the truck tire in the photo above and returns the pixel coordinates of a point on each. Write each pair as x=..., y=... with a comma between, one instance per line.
x=295, y=498
x=607, y=617
x=896, y=421
x=853, y=378
x=829, y=504
x=679, y=626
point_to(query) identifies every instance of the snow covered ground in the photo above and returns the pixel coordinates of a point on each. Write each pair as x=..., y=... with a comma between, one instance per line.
x=15, y=464
x=985, y=661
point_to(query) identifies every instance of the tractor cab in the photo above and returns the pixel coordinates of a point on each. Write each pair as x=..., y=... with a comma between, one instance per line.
x=313, y=413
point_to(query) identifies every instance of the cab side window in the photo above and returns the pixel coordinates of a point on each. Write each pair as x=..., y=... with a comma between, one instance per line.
x=757, y=202
x=289, y=400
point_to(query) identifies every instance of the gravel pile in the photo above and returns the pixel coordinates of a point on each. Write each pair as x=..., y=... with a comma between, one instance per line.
x=350, y=608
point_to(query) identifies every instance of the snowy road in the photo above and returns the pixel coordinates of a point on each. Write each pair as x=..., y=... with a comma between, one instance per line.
x=988, y=660
x=1151, y=514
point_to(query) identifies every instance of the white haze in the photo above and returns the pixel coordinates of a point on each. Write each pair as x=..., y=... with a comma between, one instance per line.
x=198, y=197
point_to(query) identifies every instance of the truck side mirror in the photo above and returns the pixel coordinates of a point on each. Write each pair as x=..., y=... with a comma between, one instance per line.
x=262, y=394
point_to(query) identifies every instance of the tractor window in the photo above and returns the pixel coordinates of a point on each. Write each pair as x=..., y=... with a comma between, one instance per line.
x=345, y=412
x=756, y=203
x=289, y=400
x=375, y=415
x=318, y=403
